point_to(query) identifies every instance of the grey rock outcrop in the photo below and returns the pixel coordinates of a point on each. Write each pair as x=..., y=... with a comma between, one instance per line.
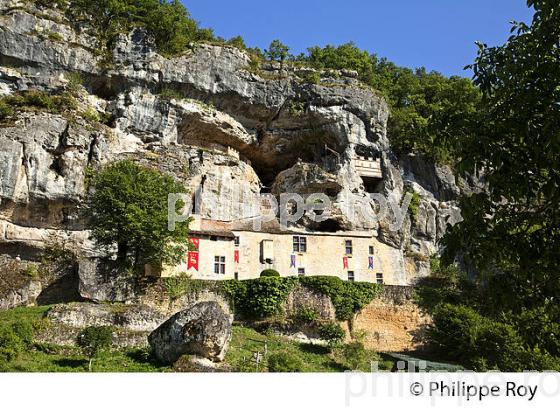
x=136, y=318
x=203, y=330
x=24, y=295
x=224, y=130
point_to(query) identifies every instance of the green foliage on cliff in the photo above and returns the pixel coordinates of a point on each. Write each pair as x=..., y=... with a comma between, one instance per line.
x=348, y=297
x=35, y=100
x=128, y=207
x=430, y=113
x=167, y=21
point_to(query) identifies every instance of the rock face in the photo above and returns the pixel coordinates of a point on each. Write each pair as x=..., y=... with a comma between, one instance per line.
x=393, y=322
x=226, y=132
x=203, y=330
x=137, y=318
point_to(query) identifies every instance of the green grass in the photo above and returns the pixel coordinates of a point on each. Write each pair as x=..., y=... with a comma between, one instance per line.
x=245, y=342
x=24, y=314
x=315, y=358
x=51, y=358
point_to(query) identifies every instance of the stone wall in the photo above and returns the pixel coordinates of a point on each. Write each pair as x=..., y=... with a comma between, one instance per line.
x=393, y=322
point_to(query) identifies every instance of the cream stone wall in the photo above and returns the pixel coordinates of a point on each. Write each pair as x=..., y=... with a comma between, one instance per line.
x=324, y=256
x=208, y=249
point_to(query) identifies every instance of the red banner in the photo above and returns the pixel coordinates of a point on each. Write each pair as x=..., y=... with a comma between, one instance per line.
x=236, y=256
x=195, y=242
x=193, y=261
x=345, y=262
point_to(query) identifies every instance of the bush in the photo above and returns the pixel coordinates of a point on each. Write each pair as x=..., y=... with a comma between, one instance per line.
x=259, y=298
x=5, y=110
x=283, y=362
x=356, y=356
x=38, y=100
x=91, y=115
x=95, y=339
x=32, y=271
x=306, y=315
x=332, y=332
x=348, y=297
x=25, y=331
x=269, y=273
x=481, y=343
x=11, y=344
x=312, y=77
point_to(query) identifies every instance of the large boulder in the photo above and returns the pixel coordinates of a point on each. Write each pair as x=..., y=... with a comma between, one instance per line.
x=203, y=330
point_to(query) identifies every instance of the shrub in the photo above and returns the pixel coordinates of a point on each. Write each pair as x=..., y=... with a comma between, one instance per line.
x=38, y=100
x=259, y=298
x=332, y=332
x=306, y=315
x=95, y=339
x=11, y=344
x=5, y=110
x=54, y=36
x=25, y=331
x=181, y=285
x=171, y=94
x=14, y=339
x=75, y=83
x=283, y=362
x=463, y=335
x=356, y=356
x=455, y=332
x=415, y=201
x=348, y=297
x=91, y=115
x=32, y=271
x=269, y=273
x=311, y=77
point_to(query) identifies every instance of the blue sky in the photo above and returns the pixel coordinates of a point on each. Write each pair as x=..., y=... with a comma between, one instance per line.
x=436, y=34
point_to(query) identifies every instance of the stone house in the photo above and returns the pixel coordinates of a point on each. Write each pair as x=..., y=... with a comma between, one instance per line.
x=234, y=250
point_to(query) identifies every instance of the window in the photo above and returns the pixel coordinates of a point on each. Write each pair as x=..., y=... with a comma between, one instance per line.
x=301, y=271
x=220, y=265
x=300, y=244
x=236, y=241
x=348, y=246
x=379, y=278
x=371, y=250
x=236, y=275
x=351, y=276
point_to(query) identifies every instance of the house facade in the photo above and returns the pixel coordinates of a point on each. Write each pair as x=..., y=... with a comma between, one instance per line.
x=224, y=251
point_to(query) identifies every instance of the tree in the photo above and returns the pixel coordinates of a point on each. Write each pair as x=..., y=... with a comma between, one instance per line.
x=510, y=235
x=277, y=51
x=511, y=232
x=94, y=340
x=128, y=207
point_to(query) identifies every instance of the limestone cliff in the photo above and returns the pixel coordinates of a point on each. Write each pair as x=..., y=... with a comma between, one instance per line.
x=206, y=117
